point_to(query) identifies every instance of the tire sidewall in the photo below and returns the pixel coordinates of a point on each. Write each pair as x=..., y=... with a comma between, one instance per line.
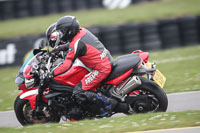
x=157, y=91
x=18, y=108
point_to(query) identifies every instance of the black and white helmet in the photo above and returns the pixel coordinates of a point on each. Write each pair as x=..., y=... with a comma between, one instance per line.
x=68, y=26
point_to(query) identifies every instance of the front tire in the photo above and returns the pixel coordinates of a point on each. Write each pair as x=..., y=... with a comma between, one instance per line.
x=24, y=113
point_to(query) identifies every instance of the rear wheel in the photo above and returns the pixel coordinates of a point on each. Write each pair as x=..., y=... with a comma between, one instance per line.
x=25, y=114
x=151, y=98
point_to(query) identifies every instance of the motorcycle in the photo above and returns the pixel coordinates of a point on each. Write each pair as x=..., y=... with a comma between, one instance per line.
x=134, y=82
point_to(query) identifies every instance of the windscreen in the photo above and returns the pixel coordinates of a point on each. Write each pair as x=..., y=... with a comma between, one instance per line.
x=27, y=70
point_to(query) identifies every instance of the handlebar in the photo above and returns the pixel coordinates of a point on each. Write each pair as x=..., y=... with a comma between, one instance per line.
x=45, y=60
x=59, y=48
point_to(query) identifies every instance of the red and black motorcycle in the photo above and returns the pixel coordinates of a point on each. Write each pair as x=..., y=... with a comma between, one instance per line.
x=134, y=82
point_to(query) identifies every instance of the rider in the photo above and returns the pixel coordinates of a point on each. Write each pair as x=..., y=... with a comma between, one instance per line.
x=86, y=47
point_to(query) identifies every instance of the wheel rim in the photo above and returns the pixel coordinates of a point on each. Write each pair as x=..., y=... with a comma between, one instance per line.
x=151, y=104
x=28, y=113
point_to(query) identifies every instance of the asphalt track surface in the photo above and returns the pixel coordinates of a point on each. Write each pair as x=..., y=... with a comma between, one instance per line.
x=177, y=102
x=173, y=130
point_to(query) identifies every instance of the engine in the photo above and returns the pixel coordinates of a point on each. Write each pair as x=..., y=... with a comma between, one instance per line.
x=76, y=113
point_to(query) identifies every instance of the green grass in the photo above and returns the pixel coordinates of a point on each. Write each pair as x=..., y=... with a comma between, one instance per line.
x=140, y=122
x=134, y=13
x=8, y=88
x=180, y=66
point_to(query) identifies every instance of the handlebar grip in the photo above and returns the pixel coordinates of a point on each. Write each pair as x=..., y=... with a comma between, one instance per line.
x=60, y=48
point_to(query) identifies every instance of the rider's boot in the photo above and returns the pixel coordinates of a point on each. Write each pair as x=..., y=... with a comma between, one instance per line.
x=108, y=103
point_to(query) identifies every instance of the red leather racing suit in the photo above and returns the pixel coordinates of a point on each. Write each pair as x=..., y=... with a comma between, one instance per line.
x=87, y=48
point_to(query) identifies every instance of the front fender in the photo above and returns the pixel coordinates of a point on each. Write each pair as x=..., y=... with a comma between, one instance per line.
x=31, y=96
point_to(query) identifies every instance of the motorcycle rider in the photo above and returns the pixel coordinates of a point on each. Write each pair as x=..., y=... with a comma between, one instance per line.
x=86, y=47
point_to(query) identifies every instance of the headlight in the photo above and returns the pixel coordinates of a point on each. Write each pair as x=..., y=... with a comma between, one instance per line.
x=19, y=79
x=29, y=82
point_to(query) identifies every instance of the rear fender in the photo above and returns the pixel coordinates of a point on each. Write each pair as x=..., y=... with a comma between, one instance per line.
x=143, y=55
x=31, y=96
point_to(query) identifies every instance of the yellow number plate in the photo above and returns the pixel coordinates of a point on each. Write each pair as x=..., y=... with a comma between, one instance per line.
x=159, y=78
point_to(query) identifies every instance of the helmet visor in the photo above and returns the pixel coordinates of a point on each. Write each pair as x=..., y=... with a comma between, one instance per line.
x=63, y=31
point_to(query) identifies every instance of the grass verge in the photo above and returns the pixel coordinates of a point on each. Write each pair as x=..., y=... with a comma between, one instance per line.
x=140, y=122
x=8, y=88
x=135, y=13
x=180, y=66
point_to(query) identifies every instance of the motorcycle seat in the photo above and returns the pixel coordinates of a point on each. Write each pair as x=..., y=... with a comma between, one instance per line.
x=123, y=64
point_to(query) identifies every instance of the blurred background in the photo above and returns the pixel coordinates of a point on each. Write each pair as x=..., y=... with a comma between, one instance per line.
x=122, y=25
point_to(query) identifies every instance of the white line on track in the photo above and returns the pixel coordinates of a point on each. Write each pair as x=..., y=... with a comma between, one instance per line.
x=175, y=59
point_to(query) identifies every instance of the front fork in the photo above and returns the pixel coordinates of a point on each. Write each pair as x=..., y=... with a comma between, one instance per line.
x=39, y=99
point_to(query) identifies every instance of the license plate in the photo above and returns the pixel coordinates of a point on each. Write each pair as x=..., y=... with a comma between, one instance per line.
x=159, y=78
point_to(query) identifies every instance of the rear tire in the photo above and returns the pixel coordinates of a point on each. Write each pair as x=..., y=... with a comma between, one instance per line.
x=159, y=96
x=21, y=108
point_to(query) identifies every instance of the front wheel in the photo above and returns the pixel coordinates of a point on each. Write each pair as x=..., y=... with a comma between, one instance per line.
x=151, y=98
x=25, y=114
